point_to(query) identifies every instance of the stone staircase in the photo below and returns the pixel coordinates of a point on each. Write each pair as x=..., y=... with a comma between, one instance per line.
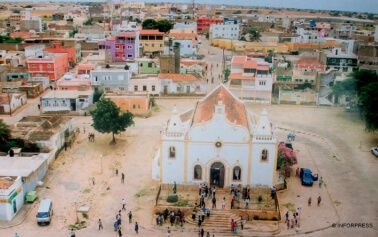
x=219, y=221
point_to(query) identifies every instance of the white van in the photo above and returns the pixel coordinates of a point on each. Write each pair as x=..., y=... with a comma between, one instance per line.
x=45, y=212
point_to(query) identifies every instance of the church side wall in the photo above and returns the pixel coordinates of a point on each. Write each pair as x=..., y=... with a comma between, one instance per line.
x=263, y=171
x=173, y=168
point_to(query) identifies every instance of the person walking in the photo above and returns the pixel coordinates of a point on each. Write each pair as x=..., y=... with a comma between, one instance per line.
x=309, y=201
x=202, y=233
x=130, y=215
x=168, y=232
x=224, y=202
x=119, y=231
x=123, y=202
x=319, y=200
x=136, y=227
x=100, y=227
x=122, y=178
x=214, y=201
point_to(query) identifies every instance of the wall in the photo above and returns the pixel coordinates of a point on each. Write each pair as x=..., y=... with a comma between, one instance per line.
x=8, y=198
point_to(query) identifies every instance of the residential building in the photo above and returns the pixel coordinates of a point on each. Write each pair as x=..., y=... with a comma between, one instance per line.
x=44, y=80
x=91, y=32
x=188, y=43
x=147, y=66
x=138, y=105
x=84, y=68
x=65, y=101
x=57, y=47
x=32, y=89
x=186, y=26
x=339, y=61
x=11, y=196
x=111, y=79
x=31, y=167
x=250, y=79
x=74, y=82
x=227, y=30
x=123, y=47
x=181, y=84
x=53, y=66
x=49, y=133
x=198, y=67
x=243, y=152
x=10, y=102
x=204, y=22
x=34, y=51
x=368, y=56
x=151, y=42
x=145, y=85
x=170, y=63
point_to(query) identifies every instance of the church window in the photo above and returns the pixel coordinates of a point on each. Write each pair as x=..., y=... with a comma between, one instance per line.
x=197, y=172
x=264, y=155
x=236, y=173
x=172, y=152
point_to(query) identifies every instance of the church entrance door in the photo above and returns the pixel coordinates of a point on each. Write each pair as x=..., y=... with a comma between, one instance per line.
x=217, y=174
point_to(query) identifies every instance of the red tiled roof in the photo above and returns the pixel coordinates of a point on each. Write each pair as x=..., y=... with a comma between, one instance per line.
x=250, y=64
x=176, y=77
x=263, y=67
x=234, y=109
x=150, y=32
x=240, y=76
x=238, y=59
x=85, y=67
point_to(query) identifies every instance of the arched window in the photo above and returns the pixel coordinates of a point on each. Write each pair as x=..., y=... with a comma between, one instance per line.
x=197, y=172
x=236, y=173
x=264, y=155
x=172, y=152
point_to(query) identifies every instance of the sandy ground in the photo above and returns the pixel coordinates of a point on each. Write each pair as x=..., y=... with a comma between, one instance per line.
x=329, y=141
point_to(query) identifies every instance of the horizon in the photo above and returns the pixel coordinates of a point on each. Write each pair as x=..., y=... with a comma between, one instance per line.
x=362, y=6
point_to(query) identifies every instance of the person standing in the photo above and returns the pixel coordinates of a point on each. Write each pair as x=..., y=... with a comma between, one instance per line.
x=136, y=228
x=214, y=201
x=130, y=215
x=119, y=231
x=319, y=200
x=223, y=202
x=309, y=201
x=122, y=178
x=202, y=233
x=100, y=227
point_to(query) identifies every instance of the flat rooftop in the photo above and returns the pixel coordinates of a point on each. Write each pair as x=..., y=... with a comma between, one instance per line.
x=20, y=166
x=63, y=94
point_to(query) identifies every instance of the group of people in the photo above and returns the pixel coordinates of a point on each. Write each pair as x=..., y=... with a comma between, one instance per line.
x=174, y=217
x=310, y=200
x=118, y=220
x=293, y=222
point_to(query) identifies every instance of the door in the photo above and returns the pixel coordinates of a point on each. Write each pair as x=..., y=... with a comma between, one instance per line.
x=14, y=206
x=187, y=89
x=217, y=174
x=165, y=90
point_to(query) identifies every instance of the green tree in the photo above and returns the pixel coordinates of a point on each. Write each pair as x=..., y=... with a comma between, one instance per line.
x=4, y=132
x=255, y=34
x=362, y=89
x=164, y=26
x=108, y=118
x=149, y=24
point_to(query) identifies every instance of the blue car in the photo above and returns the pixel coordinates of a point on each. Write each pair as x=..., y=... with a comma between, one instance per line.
x=307, y=178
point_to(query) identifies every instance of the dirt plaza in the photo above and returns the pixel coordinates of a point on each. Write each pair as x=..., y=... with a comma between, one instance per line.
x=329, y=141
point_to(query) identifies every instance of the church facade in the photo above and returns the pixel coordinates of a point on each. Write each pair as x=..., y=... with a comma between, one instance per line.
x=218, y=143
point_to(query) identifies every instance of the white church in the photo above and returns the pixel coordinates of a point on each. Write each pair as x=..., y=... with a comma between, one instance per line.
x=218, y=143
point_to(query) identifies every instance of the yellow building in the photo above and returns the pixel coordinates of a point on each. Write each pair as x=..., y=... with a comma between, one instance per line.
x=152, y=42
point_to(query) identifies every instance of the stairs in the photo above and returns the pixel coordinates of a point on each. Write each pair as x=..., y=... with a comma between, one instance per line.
x=219, y=220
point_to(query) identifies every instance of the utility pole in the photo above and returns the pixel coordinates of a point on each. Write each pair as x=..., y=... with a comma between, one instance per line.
x=193, y=9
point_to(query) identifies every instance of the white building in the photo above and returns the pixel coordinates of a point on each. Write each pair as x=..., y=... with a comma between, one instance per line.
x=251, y=79
x=195, y=150
x=11, y=197
x=227, y=30
x=34, y=51
x=188, y=43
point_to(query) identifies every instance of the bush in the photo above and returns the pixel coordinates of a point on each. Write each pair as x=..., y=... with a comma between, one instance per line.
x=182, y=203
x=260, y=198
x=172, y=198
x=97, y=95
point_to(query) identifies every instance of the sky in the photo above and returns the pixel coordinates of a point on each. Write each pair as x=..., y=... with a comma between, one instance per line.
x=341, y=5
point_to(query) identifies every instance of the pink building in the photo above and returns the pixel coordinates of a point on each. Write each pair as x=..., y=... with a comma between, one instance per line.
x=85, y=68
x=74, y=83
x=53, y=66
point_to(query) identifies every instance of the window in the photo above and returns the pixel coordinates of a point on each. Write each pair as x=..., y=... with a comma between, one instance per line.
x=135, y=88
x=262, y=83
x=264, y=155
x=134, y=106
x=144, y=88
x=129, y=46
x=149, y=64
x=153, y=88
x=129, y=56
x=197, y=172
x=172, y=152
x=236, y=173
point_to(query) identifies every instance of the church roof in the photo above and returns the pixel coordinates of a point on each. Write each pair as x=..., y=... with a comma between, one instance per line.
x=234, y=108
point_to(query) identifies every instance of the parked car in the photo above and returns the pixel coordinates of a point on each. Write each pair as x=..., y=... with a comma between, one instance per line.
x=374, y=150
x=45, y=212
x=307, y=178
